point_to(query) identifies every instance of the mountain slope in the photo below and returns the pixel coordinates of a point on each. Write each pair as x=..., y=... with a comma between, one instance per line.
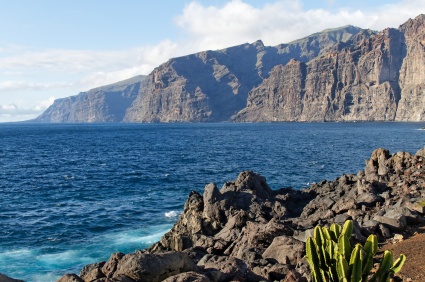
x=103, y=104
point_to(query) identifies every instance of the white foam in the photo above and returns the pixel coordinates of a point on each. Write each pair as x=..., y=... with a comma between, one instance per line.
x=48, y=277
x=136, y=237
x=15, y=254
x=45, y=265
x=172, y=214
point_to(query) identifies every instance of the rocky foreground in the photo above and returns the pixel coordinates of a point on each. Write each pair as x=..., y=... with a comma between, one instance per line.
x=246, y=231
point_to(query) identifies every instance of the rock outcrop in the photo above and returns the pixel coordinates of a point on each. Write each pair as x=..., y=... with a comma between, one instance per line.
x=103, y=104
x=354, y=81
x=246, y=231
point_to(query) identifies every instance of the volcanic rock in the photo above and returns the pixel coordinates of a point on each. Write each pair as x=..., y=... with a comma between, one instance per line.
x=246, y=231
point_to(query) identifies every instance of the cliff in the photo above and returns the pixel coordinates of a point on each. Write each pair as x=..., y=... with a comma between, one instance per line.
x=342, y=74
x=214, y=85
x=103, y=104
x=246, y=231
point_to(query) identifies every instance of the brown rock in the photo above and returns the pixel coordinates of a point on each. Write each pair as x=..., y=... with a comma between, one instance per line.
x=92, y=271
x=285, y=249
x=118, y=278
x=188, y=277
x=154, y=267
x=224, y=268
x=4, y=278
x=69, y=278
x=294, y=276
x=110, y=266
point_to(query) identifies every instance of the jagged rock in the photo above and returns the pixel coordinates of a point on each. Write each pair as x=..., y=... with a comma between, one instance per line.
x=110, y=266
x=294, y=276
x=225, y=268
x=154, y=267
x=92, y=272
x=395, y=222
x=247, y=232
x=279, y=271
x=285, y=249
x=188, y=277
x=118, y=278
x=66, y=278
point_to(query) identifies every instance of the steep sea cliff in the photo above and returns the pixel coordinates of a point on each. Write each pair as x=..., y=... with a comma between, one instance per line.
x=341, y=74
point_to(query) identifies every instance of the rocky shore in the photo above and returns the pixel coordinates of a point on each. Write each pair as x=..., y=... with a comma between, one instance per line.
x=246, y=231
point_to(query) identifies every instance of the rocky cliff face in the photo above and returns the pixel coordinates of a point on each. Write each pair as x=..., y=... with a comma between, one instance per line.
x=411, y=106
x=343, y=74
x=104, y=104
x=214, y=85
x=357, y=80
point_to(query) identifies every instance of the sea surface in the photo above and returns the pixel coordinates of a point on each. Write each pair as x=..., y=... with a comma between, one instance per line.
x=73, y=194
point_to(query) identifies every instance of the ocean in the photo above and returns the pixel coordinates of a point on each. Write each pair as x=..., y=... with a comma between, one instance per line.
x=73, y=194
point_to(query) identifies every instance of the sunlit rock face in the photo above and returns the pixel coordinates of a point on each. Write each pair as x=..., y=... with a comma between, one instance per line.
x=342, y=74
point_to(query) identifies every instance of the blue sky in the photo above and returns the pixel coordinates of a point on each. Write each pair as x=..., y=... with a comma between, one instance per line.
x=51, y=49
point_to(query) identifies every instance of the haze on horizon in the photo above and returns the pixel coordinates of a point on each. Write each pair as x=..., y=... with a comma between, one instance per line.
x=53, y=49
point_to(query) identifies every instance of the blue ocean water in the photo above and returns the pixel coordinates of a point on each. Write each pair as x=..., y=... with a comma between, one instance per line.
x=72, y=194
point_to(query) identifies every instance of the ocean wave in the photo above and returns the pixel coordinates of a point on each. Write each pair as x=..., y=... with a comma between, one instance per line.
x=172, y=214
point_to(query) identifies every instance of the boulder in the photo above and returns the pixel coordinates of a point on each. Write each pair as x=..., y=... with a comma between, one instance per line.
x=118, y=278
x=65, y=278
x=190, y=276
x=285, y=249
x=92, y=272
x=110, y=266
x=154, y=267
x=4, y=278
x=294, y=276
x=223, y=268
x=394, y=219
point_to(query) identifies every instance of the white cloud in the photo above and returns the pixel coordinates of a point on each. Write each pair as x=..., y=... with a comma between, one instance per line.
x=44, y=104
x=22, y=111
x=9, y=107
x=281, y=21
x=142, y=61
x=77, y=61
x=8, y=86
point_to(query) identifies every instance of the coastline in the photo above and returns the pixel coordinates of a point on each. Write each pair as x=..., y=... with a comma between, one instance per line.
x=249, y=232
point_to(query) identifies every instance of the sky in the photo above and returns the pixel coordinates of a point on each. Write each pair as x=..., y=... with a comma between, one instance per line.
x=51, y=49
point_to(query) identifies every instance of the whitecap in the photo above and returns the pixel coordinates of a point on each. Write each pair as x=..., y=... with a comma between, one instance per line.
x=14, y=255
x=48, y=277
x=136, y=238
x=171, y=214
x=63, y=259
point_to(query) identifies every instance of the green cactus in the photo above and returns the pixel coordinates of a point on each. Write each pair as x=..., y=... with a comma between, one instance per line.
x=331, y=257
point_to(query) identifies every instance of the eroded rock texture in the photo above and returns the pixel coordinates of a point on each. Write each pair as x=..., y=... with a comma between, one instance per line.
x=214, y=85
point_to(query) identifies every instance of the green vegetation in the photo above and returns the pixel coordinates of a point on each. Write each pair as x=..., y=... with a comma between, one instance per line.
x=331, y=257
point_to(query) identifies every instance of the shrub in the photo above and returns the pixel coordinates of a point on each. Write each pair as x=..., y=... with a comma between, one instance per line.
x=331, y=257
